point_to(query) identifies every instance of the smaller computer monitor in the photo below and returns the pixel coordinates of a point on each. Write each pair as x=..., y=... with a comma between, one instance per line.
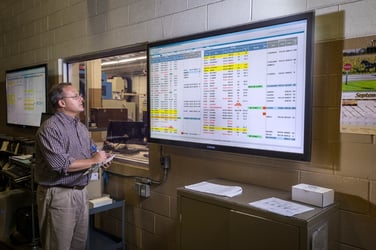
x=126, y=132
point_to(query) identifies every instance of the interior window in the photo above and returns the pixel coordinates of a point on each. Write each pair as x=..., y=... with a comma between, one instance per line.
x=115, y=92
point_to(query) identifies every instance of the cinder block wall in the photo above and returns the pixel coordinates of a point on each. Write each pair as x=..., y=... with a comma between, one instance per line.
x=40, y=31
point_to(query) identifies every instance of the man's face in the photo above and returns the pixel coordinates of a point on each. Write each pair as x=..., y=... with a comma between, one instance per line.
x=72, y=103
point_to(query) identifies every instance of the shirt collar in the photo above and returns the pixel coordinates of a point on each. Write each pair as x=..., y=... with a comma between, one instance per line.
x=68, y=118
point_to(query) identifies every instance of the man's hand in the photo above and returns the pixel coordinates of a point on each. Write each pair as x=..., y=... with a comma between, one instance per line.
x=99, y=156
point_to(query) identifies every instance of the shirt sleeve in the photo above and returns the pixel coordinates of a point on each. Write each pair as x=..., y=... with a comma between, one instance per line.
x=53, y=148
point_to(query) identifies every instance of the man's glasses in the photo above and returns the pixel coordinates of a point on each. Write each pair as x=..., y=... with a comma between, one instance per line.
x=75, y=97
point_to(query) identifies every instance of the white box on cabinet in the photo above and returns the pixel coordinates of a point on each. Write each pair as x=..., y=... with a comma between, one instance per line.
x=314, y=195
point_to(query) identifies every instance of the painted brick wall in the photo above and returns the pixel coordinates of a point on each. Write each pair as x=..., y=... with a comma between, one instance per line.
x=45, y=30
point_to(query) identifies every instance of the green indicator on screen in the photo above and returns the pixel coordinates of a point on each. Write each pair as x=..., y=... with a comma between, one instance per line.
x=255, y=136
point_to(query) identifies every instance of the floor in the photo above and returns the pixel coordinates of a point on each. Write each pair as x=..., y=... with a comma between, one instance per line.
x=10, y=246
x=18, y=243
x=98, y=241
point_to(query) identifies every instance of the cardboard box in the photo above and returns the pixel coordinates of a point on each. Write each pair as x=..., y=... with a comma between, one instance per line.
x=314, y=195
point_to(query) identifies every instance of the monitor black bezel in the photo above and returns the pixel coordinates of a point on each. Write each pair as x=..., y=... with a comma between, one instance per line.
x=306, y=154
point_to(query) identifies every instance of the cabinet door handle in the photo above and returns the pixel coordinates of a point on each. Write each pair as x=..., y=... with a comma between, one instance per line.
x=250, y=215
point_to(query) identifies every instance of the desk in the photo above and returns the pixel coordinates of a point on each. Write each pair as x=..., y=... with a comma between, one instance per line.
x=101, y=240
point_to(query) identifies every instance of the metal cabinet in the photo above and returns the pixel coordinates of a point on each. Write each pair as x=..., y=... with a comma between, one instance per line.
x=214, y=222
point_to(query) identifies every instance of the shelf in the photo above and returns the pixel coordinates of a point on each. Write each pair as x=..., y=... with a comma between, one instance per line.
x=102, y=240
x=114, y=204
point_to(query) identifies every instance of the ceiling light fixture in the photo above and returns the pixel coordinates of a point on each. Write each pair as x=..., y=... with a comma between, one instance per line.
x=123, y=60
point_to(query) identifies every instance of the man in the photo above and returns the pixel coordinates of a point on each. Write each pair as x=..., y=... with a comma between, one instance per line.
x=64, y=151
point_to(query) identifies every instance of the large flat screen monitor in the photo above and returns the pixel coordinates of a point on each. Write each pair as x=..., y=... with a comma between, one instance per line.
x=26, y=95
x=244, y=89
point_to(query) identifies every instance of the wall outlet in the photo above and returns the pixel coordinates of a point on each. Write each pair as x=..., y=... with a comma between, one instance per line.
x=165, y=162
x=143, y=189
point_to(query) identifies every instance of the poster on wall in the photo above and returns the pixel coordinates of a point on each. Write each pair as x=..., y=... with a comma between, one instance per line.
x=358, y=104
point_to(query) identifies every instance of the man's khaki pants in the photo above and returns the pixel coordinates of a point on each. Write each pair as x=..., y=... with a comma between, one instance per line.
x=63, y=215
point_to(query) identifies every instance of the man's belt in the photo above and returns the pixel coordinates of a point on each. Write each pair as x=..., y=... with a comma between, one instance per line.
x=68, y=187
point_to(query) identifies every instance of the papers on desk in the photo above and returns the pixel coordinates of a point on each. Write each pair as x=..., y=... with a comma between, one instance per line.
x=22, y=157
x=280, y=206
x=211, y=188
x=26, y=159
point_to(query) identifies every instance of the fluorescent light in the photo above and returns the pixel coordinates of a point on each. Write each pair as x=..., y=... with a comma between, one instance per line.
x=124, y=60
